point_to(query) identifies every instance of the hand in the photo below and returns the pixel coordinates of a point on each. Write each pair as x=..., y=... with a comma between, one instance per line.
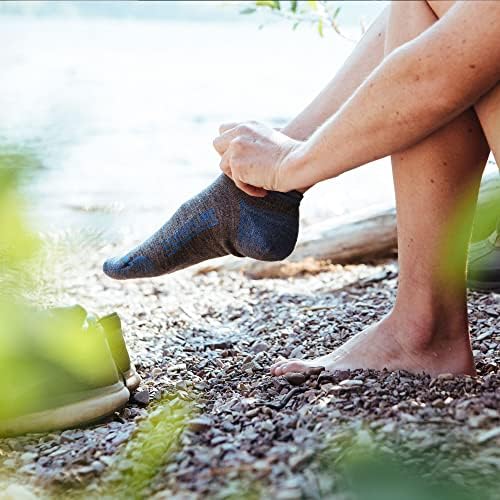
x=255, y=156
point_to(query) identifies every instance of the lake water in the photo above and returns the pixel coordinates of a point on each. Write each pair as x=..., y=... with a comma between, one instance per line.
x=120, y=113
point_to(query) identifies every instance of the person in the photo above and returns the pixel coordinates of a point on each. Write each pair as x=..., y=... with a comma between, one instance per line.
x=422, y=87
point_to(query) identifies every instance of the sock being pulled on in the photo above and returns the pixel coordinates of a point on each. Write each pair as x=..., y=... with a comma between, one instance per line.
x=220, y=220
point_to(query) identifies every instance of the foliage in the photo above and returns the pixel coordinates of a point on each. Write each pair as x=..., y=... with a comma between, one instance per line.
x=38, y=352
x=371, y=468
x=17, y=241
x=148, y=451
x=321, y=13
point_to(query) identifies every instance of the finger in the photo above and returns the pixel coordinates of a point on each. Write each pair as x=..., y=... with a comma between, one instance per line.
x=247, y=188
x=227, y=126
x=251, y=190
x=225, y=166
x=222, y=142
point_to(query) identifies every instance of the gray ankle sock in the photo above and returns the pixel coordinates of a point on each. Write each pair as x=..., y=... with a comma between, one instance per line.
x=220, y=220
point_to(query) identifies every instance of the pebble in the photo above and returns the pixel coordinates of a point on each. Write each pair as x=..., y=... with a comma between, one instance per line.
x=141, y=397
x=350, y=383
x=28, y=457
x=260, y=346
x=295, y=378
x=200, y=424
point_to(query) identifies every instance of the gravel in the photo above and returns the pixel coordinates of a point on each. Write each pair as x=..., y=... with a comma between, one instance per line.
x=210, y=421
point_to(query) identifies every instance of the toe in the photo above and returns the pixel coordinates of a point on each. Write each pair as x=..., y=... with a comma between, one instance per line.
x=278, y=364
x=294, y=365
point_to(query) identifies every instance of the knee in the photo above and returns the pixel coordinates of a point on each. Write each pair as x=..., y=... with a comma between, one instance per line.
x=439, y=7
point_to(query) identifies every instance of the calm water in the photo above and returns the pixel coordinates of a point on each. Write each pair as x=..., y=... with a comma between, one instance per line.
x=121, y=113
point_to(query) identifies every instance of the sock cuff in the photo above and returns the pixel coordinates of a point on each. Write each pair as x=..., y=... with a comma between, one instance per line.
x=291, y=197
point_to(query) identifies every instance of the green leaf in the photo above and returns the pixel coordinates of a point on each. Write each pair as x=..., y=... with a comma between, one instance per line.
x=293, y=6
x=248, y=10
x=336, y=13
x=294, y=27
x=320, y=27
x=313, y=4
x=272, y=4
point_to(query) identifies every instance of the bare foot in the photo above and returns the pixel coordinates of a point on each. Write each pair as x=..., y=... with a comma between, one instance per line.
x=379, y=347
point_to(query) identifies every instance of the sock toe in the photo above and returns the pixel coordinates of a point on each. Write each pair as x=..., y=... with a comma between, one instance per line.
x=128, y=267
x=112, y=267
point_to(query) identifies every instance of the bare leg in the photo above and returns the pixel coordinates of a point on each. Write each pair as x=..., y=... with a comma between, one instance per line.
x=436, y=184
x=365, y=57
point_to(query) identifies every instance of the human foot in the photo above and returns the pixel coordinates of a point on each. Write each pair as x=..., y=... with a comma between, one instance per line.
x=378, y=348
x=220, y=220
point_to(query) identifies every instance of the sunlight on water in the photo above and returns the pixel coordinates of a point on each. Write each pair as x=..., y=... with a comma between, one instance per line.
x=121, y=112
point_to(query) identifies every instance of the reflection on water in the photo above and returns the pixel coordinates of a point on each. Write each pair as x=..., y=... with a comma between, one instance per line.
x=121, y=113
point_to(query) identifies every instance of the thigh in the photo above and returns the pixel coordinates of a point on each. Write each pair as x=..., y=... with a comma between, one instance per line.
x=488, y=107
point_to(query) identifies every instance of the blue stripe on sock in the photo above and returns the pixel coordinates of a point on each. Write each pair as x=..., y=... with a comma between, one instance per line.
x=195, y=226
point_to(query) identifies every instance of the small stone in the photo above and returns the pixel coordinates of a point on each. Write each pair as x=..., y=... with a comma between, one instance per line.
x=267, y=425
x=107, y=460
x=177, y=368
x=200, y=424
x=141, y=397
x=252, y=412
x=156, y=372
x=260, y=346
x=350, y=383
x=295, y=378
x=28, y=457
x=297, y=352
x=485, y=436
x=97, y=466
x=218, y=440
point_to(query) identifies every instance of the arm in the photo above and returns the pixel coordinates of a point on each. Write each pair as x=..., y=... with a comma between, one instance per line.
x=365, y=57
x=414, y=91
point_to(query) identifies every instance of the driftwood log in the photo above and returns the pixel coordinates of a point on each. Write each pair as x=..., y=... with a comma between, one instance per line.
x=339, y=240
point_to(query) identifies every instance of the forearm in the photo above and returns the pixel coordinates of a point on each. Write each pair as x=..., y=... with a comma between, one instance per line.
x=366, y=56
x=416, y=90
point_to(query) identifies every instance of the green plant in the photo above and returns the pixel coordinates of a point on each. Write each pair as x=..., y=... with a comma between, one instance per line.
x=321, y=13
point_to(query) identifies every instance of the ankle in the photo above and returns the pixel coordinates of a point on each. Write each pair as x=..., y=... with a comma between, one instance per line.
x=431, y=328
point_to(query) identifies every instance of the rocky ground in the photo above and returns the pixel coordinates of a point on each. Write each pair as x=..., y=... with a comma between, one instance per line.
x=209, y=421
